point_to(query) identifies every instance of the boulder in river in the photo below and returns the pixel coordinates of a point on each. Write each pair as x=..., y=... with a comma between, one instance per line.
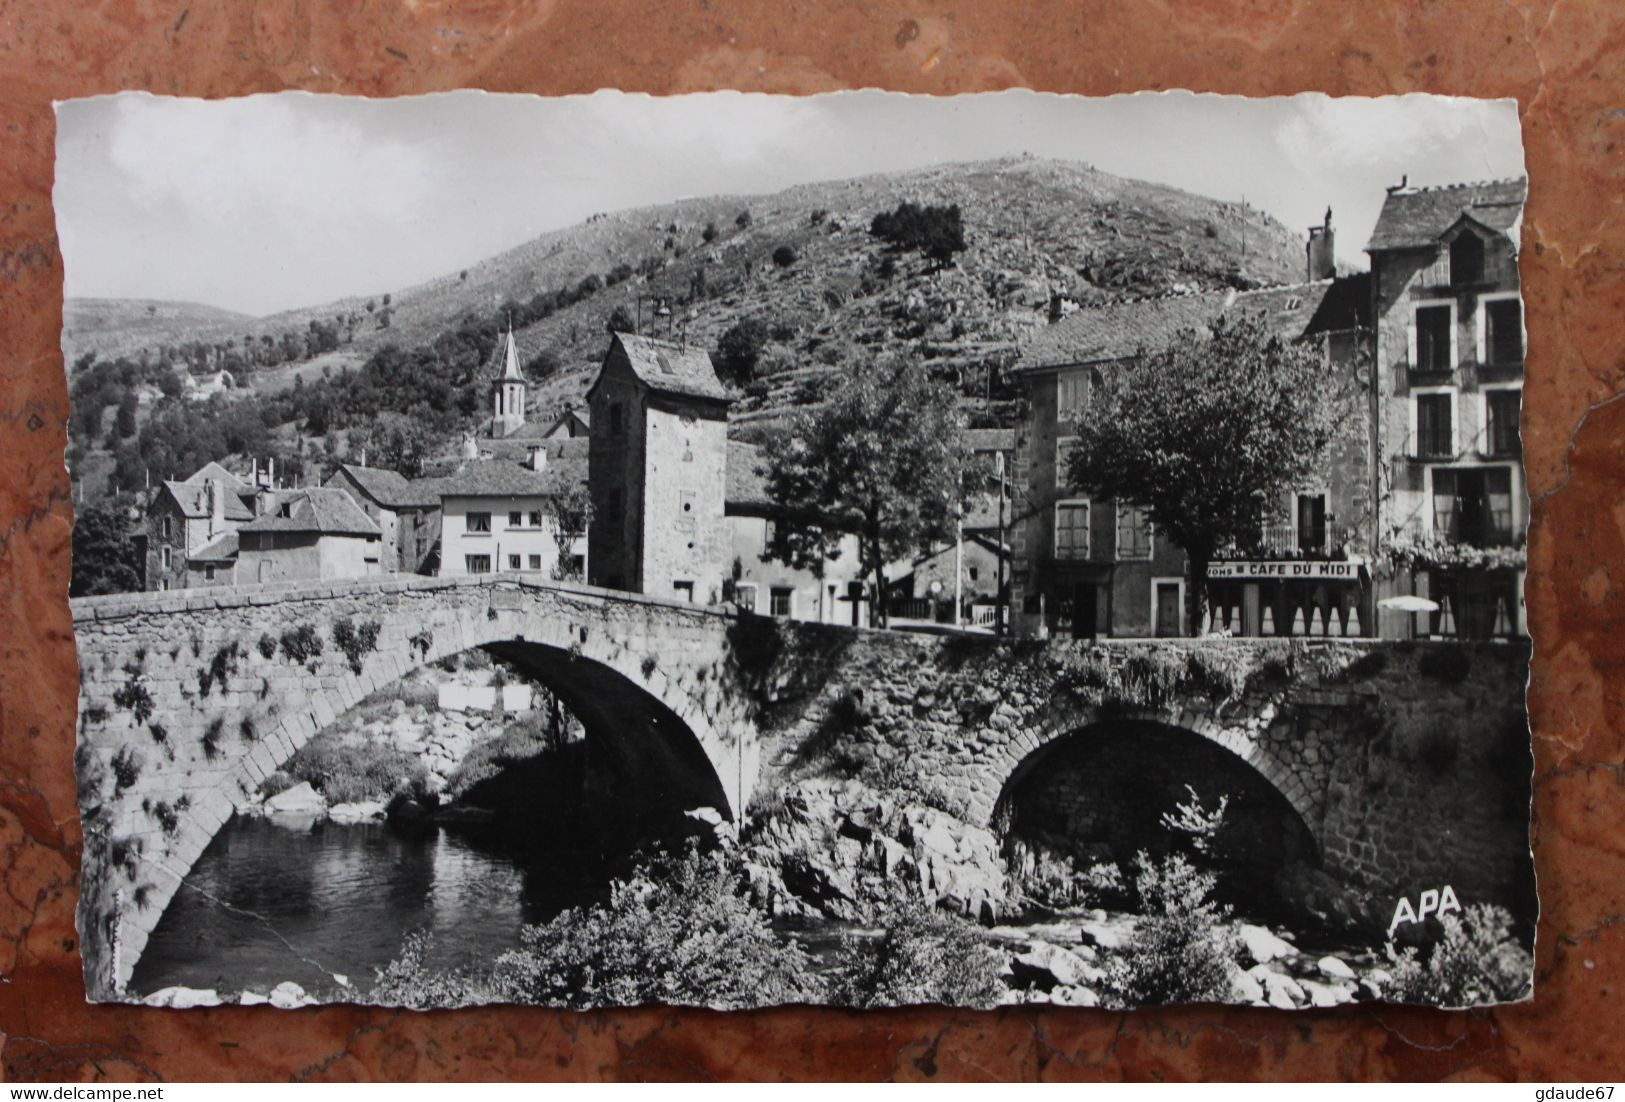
x=301, y=799
x=1262, y=946
x=1049, y=966
x=358, y=812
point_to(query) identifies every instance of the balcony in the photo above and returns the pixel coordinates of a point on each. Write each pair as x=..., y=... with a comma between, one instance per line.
x=1282, y=542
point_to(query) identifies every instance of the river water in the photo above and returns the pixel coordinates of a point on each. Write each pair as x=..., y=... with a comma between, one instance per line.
x=274, y=900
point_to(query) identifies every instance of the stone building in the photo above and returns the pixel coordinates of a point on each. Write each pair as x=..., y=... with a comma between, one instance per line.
x=1449, y=354
x=316, y=532
x=1089, y=568
x=407, y=512
x=497, y=515
x=657, y=468
x=185, y=517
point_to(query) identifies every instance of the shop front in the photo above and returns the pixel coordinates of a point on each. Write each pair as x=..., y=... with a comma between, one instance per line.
x=1290, y=598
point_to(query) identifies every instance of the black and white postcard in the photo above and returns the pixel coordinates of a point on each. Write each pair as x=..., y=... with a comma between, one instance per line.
x=736, y=550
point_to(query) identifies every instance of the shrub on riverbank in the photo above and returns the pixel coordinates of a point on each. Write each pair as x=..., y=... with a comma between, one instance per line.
x=520, y=741
x=1476, y=961
x=1181, y=950
x=924, y=956
x=678, y=931
x=347, y=772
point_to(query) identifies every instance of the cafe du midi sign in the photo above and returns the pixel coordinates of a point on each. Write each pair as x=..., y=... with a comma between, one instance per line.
x=1347, y=571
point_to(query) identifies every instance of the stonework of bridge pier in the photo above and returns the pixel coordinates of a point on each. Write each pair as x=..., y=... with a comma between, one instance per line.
x=1400, y=764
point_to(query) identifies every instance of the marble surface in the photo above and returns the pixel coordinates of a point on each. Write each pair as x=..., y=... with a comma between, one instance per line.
x=1563, y=61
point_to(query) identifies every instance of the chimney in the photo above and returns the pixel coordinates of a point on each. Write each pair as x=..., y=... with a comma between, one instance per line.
x=538, y=458
x=216, y=493
x=471, y=450
x=1321, y=251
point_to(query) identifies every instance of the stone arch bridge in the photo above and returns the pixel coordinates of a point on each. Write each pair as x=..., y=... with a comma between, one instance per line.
x=189, y=699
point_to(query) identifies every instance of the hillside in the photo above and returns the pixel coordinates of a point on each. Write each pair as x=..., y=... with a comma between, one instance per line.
x=114, y=326
x=1033, y=228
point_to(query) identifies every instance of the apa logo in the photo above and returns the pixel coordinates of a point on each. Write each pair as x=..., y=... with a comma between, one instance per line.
x=1434, y=901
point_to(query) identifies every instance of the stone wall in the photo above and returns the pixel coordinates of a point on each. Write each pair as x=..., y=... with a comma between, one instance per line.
x=189, y=700
x=1408, y=764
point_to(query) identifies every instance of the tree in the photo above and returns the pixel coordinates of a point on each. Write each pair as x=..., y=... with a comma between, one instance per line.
x=739, y=349
x=621, y=320
x=125, y=422
x=743, y=219
x=104, y=556
x=784, y=256
x=883, y=459
x=709, y=234
x=938, y=232
x=571, y=511
x=1207, y=436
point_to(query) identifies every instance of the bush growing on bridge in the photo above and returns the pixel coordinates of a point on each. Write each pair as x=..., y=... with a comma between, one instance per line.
x=678, y=931
x=126, y=768
x=301, y=643
x=134, y=698
x=267, y=646
x=356, y=641
x=221, y=667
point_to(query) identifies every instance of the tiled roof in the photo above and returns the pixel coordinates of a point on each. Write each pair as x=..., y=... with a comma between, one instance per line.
x=213, y=470
x=490, y=478
x=223, y=548
x=1413, y=217
x=673, y=368
x=193, y=499
x=747, y=475
x=388, y=488
x=324, y=510
x=1118, y=330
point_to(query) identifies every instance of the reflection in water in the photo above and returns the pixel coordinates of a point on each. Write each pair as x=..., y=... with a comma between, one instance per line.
x=269, y=901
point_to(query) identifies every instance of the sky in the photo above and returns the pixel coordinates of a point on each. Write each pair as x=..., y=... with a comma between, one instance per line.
x=271, y=202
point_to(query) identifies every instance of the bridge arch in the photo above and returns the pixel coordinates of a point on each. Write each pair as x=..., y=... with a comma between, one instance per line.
x=1096, y=791
x=650, y=677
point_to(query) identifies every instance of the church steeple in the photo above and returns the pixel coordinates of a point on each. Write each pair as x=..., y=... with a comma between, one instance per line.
x=508, y=391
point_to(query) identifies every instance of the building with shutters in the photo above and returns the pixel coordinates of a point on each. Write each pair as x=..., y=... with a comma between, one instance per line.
x=1098, y=568
x=1449, y=350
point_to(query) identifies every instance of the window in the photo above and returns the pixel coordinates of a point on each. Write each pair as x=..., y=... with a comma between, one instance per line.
x=1133, y=532
x=167, y=527
x=1503, y=331
x=781, y=600
x=479, y=523
x=516, y=519
x=975, y=574
x=1467, y=259
x=685, y=514
x=1063, y=455
x=163, y=556
x=535, y=562
x=1501, y=422
x=536, y=518
x=745, y=596
x=208, y=573
x=1435, y=428
x=617, y=424
x=770, y=529
x=1473, y=505
x=1434, y=329
x=477, y=564
x=513, y=562
x=684, y=591
x=1071, y=395
x=1072, y=530
x=1311, y=522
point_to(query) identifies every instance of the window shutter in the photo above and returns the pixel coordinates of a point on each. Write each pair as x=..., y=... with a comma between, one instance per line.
x=1455, y=355
x=1483, y=309
x=1410, y=340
